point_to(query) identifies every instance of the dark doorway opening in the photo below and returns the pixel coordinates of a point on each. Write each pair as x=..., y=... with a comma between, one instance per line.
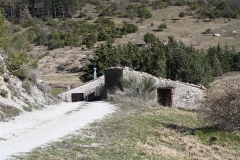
x=91, y=97
x=165, y=97
x=77, y=97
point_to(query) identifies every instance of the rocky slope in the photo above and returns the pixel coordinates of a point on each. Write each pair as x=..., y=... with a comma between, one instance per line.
x=14, y=98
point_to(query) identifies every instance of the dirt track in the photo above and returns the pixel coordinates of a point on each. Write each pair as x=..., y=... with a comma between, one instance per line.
x=33, y=129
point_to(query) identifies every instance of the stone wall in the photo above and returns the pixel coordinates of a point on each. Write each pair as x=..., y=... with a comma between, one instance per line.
x=95, y=86
x=183, y=94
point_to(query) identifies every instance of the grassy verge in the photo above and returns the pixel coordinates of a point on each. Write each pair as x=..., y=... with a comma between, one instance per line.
x=139, y=131
x=56, y=91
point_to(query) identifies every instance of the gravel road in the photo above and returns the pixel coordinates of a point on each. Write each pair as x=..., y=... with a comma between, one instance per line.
x=33, y=129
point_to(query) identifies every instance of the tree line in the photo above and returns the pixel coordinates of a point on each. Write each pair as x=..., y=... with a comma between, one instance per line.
x=25, y=9
x=61, y=33
x=42, y=8
x=174, y=60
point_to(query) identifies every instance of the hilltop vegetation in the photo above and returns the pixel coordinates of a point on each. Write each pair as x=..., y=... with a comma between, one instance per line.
x=57, y=24
x=173, y=61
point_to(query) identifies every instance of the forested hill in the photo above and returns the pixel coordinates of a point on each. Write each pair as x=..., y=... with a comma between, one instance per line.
x=174, y=60
x=68, y=8
x=59, y=23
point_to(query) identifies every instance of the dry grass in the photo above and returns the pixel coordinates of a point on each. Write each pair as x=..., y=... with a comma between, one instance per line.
x=140, y=131
x=187, y=29
x=61, y=78
x=8, y=112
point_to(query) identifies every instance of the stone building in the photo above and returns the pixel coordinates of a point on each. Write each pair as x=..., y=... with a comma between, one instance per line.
x=86, y=92
x=169, y=93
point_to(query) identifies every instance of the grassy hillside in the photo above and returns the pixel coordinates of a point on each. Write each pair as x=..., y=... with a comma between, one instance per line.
x=140, y=131
x=187, y=29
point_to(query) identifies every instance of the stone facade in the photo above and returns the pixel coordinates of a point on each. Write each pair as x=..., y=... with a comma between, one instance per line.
x=89, y=89
x=177, y=94
x=168, y=93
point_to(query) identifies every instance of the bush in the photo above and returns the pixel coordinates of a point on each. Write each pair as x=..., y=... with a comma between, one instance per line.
x=222, y=106
x=15, y=62
x=143, y=88
x=16, y=29
x=44, y=87
x=55, y=41
x=27, y=24
x=34, y=77
x=181, y=14
x=128, y=28
x=3, y=93
x=158, y=4
x=162, y=26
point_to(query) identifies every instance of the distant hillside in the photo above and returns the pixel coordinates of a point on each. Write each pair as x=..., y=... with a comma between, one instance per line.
x=62, y=37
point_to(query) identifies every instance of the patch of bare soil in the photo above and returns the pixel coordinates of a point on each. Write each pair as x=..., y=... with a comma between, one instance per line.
x=187, y=29
x=61, y=65
x=55, y=65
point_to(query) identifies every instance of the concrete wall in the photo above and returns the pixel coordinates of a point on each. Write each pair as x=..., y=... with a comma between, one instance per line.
x=183, y=94
x=92, y=87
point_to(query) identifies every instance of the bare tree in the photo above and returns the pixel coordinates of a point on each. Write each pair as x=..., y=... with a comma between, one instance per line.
x=222, y=106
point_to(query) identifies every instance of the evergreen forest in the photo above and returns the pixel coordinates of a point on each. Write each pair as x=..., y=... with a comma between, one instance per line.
x=173, y=60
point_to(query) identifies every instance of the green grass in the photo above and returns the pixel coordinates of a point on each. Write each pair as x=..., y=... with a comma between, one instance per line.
x=140, y=131
x=56, y=91
x=210, y=136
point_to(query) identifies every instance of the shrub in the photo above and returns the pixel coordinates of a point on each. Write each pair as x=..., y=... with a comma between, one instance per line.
x=27, y=24
x=55, y=41
x=162, y=26
x=180, y=3
x=143, y=88
x=15, y=61
x=157, y=4
x=181, y=14
x=193, y=7
x=34, y=77
x=143, y=12
x=128, y=28
x=3, y=93
x=16, y=29
x=81, y=15
x=89, y=18
x=45, y=88
x=207, y=31
x=222, y=106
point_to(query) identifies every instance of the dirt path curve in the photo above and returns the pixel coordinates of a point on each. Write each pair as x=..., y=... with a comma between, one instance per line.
x=36, y=128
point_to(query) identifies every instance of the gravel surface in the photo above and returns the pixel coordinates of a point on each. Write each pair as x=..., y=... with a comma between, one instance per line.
x=33, y=129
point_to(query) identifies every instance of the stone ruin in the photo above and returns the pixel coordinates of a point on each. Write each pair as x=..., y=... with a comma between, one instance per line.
x=169, y=93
